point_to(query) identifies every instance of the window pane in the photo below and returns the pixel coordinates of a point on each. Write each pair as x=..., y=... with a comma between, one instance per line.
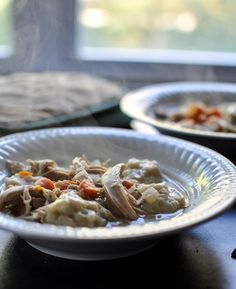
x=205, y=25
x=6, y=36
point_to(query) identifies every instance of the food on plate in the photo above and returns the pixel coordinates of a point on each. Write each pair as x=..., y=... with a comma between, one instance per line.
x=198, y=115
x=87, y=193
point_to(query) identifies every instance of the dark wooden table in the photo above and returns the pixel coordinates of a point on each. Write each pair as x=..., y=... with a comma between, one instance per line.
x=195, y=259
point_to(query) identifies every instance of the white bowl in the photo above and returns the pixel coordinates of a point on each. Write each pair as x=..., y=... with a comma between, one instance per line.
x=206, y=178
x=142, y=103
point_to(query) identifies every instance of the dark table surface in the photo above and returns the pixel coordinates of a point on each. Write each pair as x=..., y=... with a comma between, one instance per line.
x=195, y=259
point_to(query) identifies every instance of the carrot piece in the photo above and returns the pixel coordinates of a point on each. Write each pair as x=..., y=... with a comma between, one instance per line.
x=195, y=112
x=63, y=185
x=215, y=112
x=45, y=183
x=127, y=184
x=88, y=190
x=24, y=174
x=38, y=188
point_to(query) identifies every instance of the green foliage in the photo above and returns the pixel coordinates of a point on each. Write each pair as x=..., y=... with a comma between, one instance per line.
x=5, y=22
x=164, y=24
x=173, y=24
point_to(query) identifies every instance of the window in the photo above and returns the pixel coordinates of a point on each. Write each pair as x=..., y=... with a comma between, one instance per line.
x=133, y=41
x=6, y=35
x=159, y=29
x=159, y=24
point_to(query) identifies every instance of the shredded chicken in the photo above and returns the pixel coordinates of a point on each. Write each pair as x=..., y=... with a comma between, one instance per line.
x=87, y=193
x=14, y=166
x=118, y=197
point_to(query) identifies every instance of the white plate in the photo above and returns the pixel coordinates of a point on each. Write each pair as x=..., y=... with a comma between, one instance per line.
x=206, y=178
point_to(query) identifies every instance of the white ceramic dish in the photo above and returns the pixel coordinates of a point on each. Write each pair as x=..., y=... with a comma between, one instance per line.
x=141, y=104
x=206, y=178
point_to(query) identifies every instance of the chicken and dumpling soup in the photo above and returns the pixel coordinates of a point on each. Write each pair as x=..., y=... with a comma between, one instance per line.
x=87, y=193
x=199, y=115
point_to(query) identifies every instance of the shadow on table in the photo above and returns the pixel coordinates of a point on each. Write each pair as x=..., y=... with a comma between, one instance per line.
x=174, y=262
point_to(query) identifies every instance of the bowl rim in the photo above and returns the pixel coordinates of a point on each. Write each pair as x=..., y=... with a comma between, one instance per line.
x=36, y=231
x=130, y=104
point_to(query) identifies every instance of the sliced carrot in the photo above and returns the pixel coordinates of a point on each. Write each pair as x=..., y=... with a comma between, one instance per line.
x=63, y=185
x=127, y=184
x=88, y=190
x=38, y=188
x=24, y=174
x=45, y=183
x=215, y=112
x=194, y=112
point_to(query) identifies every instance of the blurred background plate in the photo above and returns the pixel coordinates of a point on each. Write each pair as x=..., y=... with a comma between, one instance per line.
x=142, y=103
x=46, y=99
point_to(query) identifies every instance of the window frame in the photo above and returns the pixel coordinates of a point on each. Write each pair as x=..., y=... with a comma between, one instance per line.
x=53, y=47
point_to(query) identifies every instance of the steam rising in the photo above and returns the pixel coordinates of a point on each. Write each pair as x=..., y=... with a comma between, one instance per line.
x=41, y=31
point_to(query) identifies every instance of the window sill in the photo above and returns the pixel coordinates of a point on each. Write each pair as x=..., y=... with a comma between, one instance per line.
x=5, y=51
x=157, y=56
